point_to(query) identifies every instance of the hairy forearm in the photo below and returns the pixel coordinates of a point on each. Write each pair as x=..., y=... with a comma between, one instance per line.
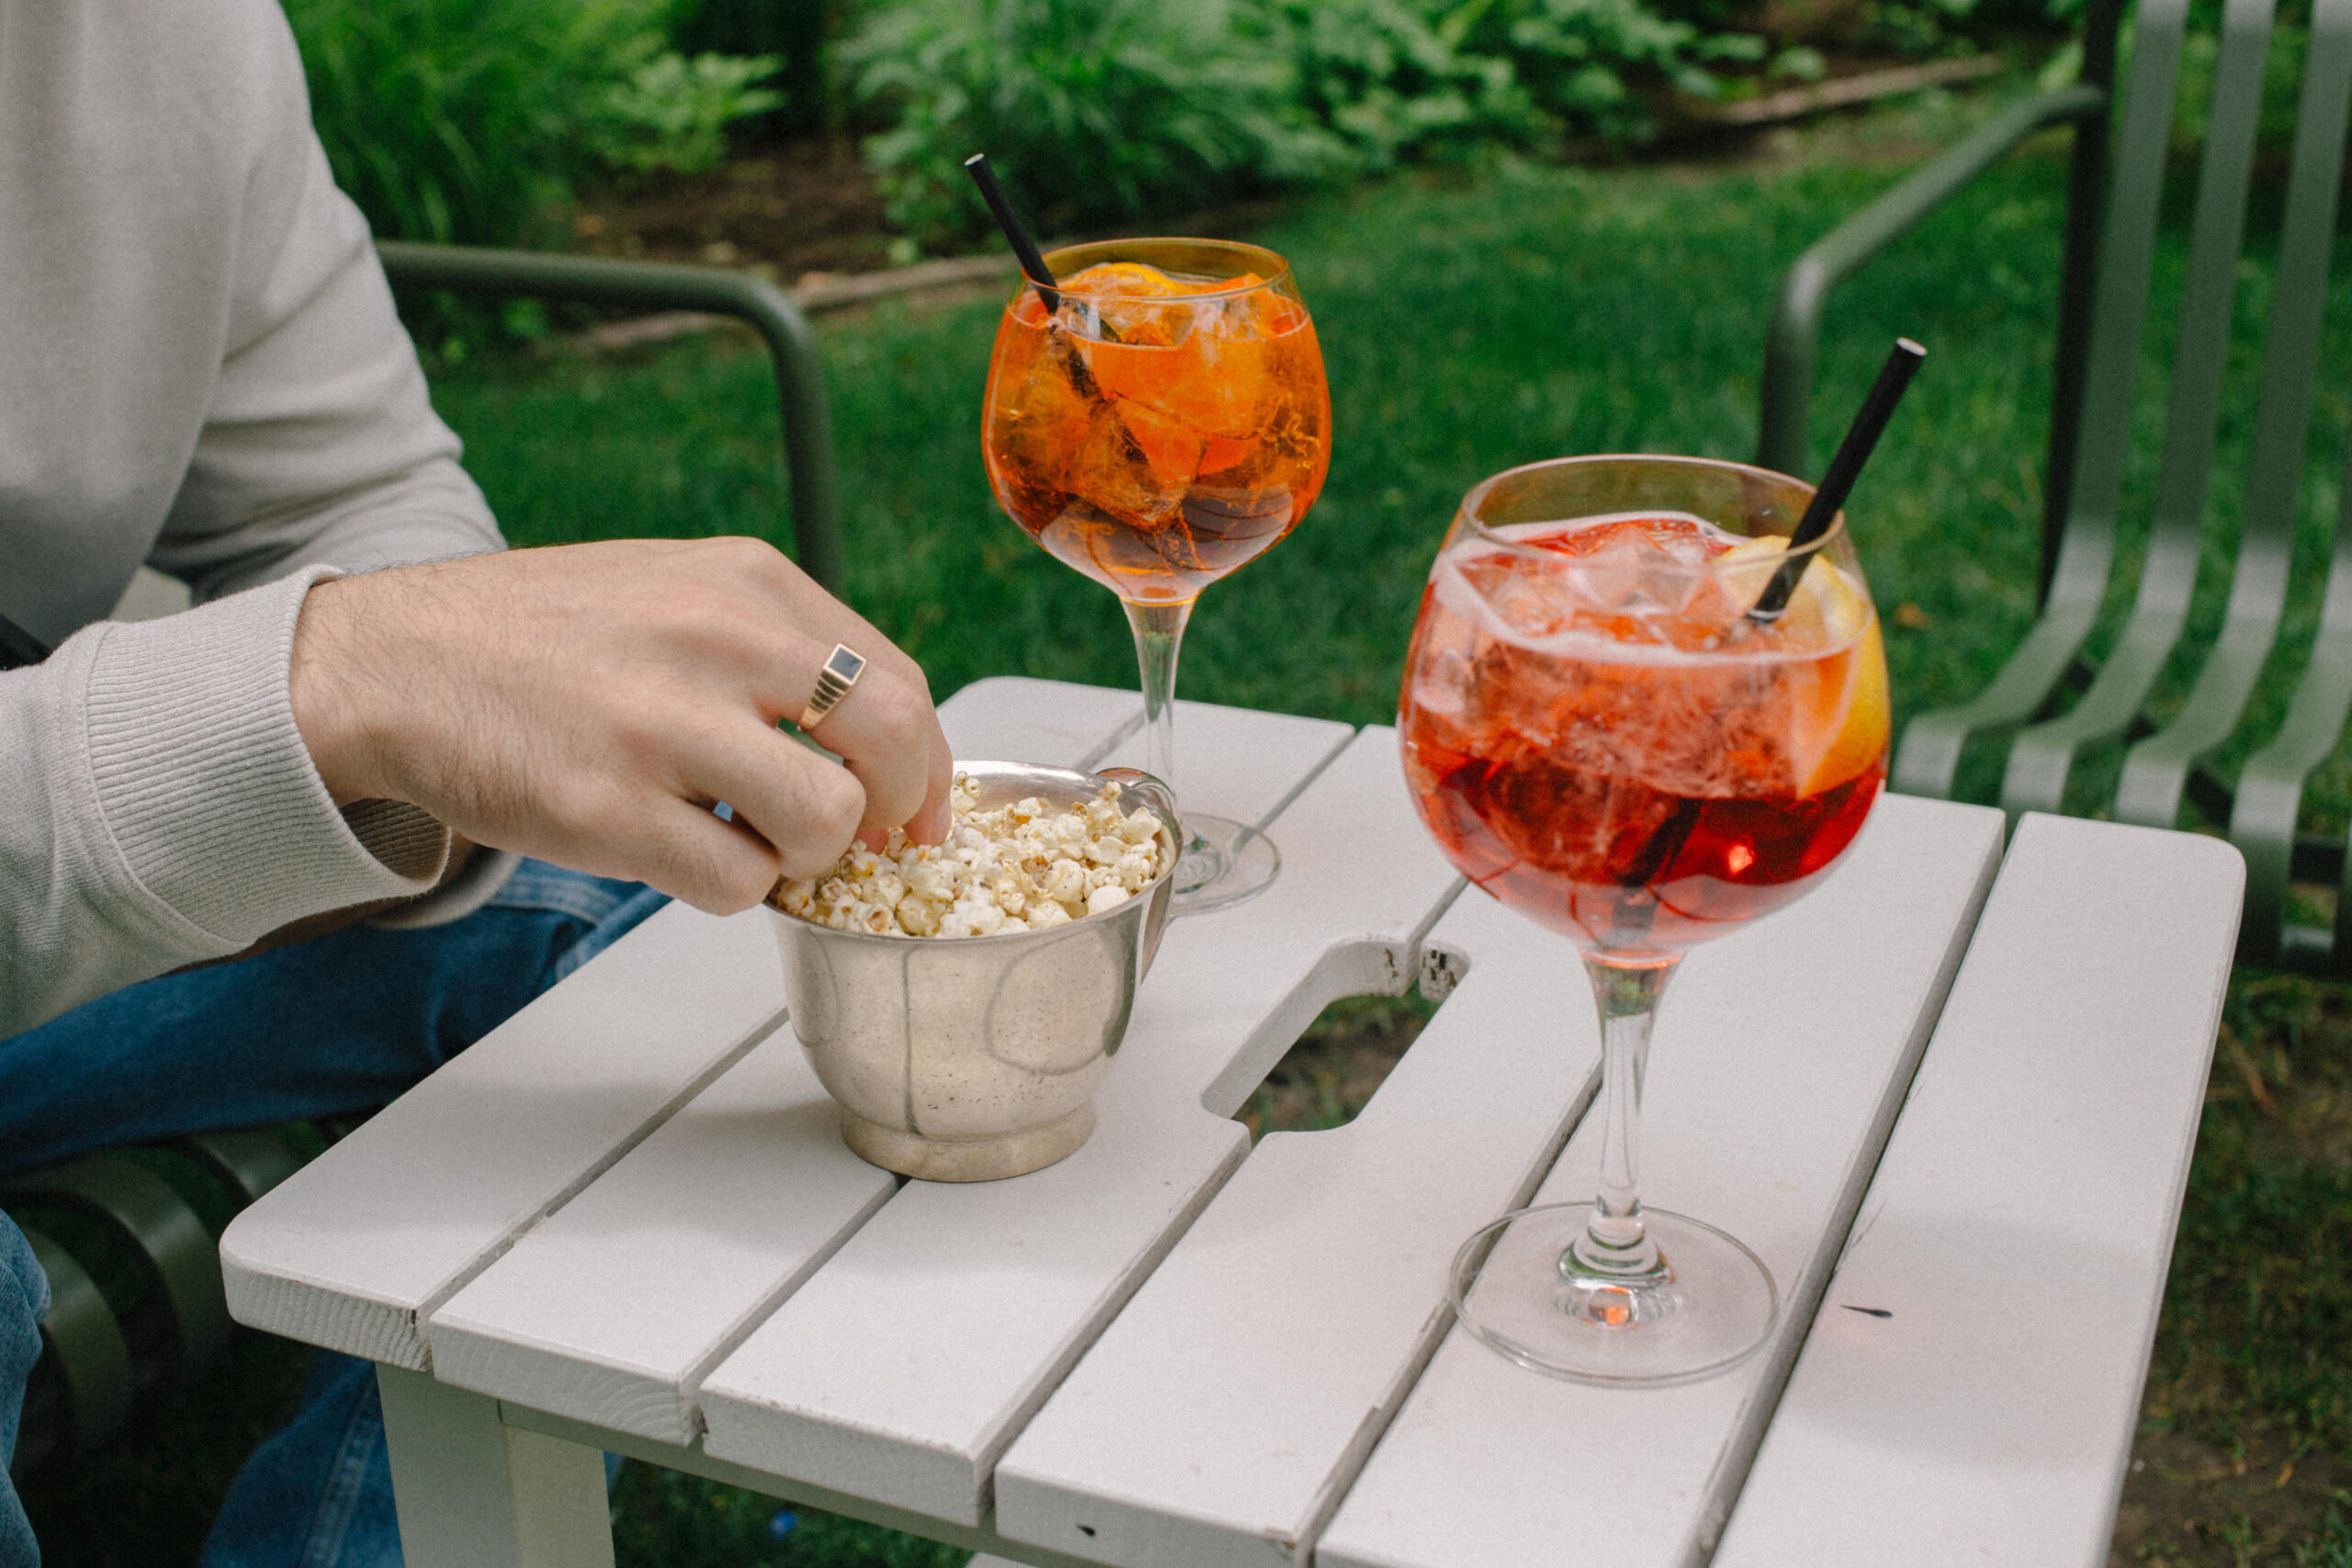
x=590, y=704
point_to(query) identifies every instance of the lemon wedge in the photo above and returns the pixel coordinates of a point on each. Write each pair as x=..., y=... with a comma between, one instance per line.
x=1842, y=707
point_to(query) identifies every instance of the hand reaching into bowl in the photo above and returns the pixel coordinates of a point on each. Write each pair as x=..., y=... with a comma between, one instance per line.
x=589, y=704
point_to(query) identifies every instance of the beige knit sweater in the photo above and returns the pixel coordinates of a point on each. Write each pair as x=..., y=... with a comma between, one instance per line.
x=199, y=368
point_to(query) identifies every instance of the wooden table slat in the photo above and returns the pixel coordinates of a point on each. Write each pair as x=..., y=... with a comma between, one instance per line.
x=609, y=1310
x=756, y=1159
x=2018, y=1232
x=351, y=1250
x=1013, y=718
x=1271, y=1346
x=1782, y=1053
x=1249, y=766
x=904, y=1368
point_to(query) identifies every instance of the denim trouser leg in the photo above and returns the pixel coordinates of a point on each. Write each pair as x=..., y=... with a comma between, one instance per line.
x=24, y=1302
x=337, y=1024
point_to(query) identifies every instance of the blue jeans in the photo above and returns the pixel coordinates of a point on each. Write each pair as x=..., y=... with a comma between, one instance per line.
x=337, y=1024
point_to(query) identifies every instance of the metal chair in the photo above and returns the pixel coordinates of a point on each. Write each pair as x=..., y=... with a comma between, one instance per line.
x=2103, y=298
x=653, y=286
x=134, y=1272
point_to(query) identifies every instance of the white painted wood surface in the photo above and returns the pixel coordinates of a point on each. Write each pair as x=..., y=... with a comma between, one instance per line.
x=902, y=1369
x=621, y=1208
x=611, y=1310
x=1781, y=1055
x=1011, y=719
x=472, y=1491
x=1228, y=1406
x=352, y=1251
x=2018, y=1230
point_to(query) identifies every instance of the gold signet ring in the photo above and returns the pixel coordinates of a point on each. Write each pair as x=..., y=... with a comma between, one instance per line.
x=842, y=668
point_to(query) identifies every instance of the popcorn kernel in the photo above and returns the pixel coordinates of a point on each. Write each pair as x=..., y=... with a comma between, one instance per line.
x=1027, y=866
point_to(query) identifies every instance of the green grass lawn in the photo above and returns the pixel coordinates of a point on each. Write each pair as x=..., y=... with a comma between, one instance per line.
x=1474, y=321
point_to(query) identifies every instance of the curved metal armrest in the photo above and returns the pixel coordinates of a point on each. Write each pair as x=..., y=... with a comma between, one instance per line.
x=800, y=383
x=1790, y=350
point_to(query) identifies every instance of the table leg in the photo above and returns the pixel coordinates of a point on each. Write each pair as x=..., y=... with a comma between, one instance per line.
x=472, y=1492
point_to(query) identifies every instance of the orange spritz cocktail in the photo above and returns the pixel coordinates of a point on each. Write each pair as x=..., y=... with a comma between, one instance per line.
x=1155, y=417
x=1163, y=427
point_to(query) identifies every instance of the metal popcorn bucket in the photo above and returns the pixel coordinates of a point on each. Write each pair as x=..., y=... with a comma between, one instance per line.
x=973, y=1058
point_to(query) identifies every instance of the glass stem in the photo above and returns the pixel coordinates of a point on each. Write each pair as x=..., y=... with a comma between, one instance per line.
x=1160, y=638
x=1614, y=1243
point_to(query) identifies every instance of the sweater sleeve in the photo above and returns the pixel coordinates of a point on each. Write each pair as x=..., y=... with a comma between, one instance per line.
x=320, y=445
x=165, y=810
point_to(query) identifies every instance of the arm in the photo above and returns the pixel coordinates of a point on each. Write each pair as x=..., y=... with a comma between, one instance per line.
x=590, y=704
x=319, y=443
x=208, y=370
x=161, y=808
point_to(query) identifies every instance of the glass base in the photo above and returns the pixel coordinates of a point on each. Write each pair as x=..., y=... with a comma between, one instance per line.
x=1225, y=862
x=1713, y=1307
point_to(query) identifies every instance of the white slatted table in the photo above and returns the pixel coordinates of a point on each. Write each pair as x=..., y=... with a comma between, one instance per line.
x=625, y=1220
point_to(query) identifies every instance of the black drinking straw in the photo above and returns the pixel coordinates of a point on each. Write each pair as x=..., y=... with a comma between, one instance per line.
x=1862, y=435
x=1032, y=261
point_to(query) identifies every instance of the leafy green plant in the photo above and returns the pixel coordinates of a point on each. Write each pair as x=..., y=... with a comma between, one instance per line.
x=1105, y=110
x=472, y=119
x=672, y=113
x=798, y=32
x=1092, y=111
x=1584, y=60
x=1391, y=78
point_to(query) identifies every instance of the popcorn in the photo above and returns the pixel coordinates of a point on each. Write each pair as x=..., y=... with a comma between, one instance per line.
x=1026, y=866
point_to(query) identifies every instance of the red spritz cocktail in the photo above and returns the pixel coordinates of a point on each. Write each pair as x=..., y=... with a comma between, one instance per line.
x=1599, y=734
x=1163, y=423
x=1639, y=781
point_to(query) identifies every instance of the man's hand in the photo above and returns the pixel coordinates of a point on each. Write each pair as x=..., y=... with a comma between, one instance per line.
x=589, y=704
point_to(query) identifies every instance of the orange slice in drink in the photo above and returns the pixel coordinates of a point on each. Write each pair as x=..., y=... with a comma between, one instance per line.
x=1861, y=740
x=1841, y=720
x=1207, y=365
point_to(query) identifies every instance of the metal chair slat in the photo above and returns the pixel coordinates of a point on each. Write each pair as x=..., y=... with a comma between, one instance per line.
x=808, y=432
x=2155, y=770
x=162, y=1233
x=82, y=1385
x=2041, y=757
x=250, y=1159
x=2168, y=756
x=1928, y=760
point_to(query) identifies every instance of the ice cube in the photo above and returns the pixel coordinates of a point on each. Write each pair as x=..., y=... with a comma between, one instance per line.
x=1172, y=451
x=1036, y=430
x=1442, y=681
x=1113, y=474
x=1633, y=576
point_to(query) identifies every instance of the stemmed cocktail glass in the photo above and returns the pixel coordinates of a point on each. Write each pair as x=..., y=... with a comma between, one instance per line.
x=1162, y=421
x=1599, y=734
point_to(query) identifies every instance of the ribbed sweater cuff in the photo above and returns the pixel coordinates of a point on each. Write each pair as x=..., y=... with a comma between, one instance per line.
x=207, y=788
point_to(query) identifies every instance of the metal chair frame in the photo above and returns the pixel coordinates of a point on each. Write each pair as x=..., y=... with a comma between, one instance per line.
x=2103, y=301
x=653, y=286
